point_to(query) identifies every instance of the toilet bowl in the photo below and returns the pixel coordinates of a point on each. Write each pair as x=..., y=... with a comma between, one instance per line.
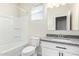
x=31, y=50
x=28, y=51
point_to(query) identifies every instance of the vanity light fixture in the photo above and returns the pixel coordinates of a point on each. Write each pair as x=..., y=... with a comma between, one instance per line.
x=51, y=5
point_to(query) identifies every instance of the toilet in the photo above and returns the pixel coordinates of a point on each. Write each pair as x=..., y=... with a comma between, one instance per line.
x=32, y=49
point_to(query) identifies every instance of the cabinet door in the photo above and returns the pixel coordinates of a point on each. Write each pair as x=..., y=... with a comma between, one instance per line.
x=68, y=54
x=49, y=52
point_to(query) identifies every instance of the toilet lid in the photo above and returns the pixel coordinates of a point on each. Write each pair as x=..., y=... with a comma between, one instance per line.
x=28, y=49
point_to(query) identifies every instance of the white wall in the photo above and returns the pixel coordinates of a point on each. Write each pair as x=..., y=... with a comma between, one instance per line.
x=14, y=22
x=38, y=27
x=25, y=10
x=8, y=14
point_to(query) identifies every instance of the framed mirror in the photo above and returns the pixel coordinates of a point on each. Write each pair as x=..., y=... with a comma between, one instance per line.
x=64, y=17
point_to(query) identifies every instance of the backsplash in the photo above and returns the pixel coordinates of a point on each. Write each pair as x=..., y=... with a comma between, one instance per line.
x=64, y=36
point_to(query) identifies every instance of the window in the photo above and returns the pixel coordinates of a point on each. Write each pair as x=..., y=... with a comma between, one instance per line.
x=37, y=12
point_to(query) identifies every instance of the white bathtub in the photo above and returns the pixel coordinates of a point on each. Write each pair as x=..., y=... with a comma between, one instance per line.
x=12, y=49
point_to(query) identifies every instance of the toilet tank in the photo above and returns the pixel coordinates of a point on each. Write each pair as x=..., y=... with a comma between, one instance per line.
x=35, y=41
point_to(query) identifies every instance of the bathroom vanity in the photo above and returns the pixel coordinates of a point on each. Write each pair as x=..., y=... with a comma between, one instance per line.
x=59, y=47
x=62, y=20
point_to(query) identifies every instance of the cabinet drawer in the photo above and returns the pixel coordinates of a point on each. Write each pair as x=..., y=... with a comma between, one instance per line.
x=61, y=47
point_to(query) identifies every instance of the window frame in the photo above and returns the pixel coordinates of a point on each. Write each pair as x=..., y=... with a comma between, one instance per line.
x=39, y=13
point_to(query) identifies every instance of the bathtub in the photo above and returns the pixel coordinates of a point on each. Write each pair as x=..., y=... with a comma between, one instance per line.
x=12, y=49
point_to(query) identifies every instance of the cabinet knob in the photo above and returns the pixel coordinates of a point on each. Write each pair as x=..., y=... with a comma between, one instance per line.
x=62, y=54
x=59, y=54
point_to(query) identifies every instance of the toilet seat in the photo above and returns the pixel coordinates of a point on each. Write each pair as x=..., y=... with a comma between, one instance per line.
x=28, y=51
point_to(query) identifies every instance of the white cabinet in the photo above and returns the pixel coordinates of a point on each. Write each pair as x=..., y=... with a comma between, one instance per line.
x=49, y=52
x=68, y=54
x=59, y=49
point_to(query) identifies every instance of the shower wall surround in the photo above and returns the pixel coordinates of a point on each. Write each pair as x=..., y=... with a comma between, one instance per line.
x=13, y=23
x=7, y=16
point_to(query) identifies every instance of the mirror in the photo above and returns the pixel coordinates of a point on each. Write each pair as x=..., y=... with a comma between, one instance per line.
x=63, y=17
x=61, y=23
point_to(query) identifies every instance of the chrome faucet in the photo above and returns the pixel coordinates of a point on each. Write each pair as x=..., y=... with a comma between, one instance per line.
x=60, y=36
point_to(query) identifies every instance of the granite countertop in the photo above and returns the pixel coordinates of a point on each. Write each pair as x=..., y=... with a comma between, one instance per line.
x=61, y=40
